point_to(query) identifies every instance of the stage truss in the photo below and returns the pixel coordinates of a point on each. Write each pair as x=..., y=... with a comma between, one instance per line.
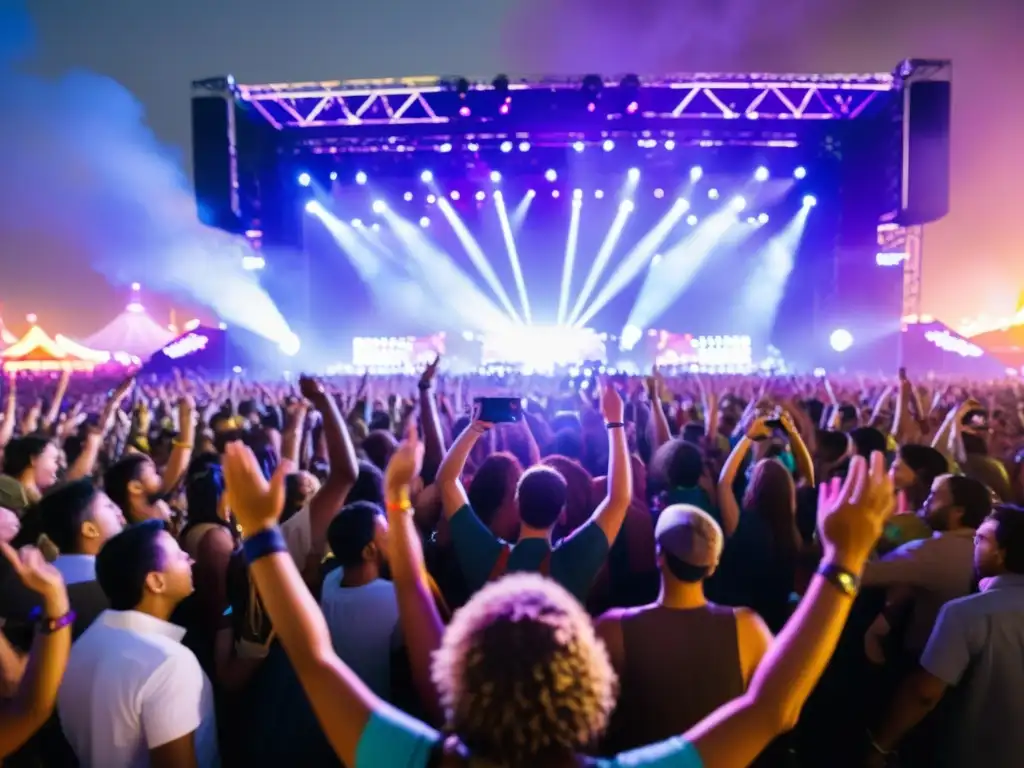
x=429, y=101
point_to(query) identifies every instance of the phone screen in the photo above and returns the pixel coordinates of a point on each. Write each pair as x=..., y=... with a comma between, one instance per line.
x=499, y=410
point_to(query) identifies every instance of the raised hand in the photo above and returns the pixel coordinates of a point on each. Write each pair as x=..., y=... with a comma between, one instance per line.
x=852, y=513
x=612, y=407
x=759, y=429
x=405, y=463
x=427, y=377
x=35, y=573
x=255, y=503
x=9, y=525
x=310, y=388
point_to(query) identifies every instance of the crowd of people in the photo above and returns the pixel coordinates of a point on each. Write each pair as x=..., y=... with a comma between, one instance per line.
x=670, y=571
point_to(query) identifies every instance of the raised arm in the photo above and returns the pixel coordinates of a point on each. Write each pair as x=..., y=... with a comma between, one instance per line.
x=430, y=422
x=422, y=626
x=344, y=467
x=25, y=714
x=850, y=519
x=342, y=702
x=449, y=474
x=728, y=507
x=181, y=452
x=611, y=511
x=58, y=397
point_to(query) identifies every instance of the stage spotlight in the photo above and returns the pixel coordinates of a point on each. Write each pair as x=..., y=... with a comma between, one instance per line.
x=841, y=340
x=659, y=193
x=555, y=193
x=426, y=177
x=431, y=199
x=696, y=172
x=810, y=201
x=375, y=227
x=424, y=222
x=524, y=146
x=360, y=178
x=656, y=260
x=495, y=177
x=577, y=194
x=670, y=145
x=290, y=344
x=305, y=179
x=531, y=193
x=684, y=204
x=313, y=206
x=379, y=206
x=800, y=173
x=761, y=174
x=334, y=175
x=762, y=218
x=480, y=195
x=608, y=145
x=446, y=147
x=598, y=193
x=472, y=146
x=578, y=146
x=626, y=205
x=550, y=174
x=407, y=197
x=691, y=220
x=455, y=194
x=506, y=146
x=634, y=174
x=713, y=194
x=738, y=203
x=752, y=221
x=357, y=223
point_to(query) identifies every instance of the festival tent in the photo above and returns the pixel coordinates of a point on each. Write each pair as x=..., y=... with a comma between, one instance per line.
x=36, y=351
x=6, y=337
x=133, y=332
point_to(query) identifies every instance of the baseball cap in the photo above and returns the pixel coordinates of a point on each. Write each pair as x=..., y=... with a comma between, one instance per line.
x=690, y=535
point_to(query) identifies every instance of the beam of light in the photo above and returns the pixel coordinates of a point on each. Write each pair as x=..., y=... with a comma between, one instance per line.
x=570, y=257
x=513, y=254
x=607, y=247
x=765, y=286
x=359, y=252
x=680, y=264
x=477, y=256
x=522, y=208
x=634, y=261
x=436, y=270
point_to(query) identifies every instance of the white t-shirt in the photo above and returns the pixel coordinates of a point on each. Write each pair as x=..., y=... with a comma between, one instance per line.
x=131, y=686
x=298, y=536
x=364, y=628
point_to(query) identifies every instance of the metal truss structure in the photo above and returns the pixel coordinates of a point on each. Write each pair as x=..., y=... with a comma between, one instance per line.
x=463, y=106
x=905, y=245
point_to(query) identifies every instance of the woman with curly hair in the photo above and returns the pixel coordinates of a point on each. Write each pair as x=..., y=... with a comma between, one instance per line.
x=519, y=679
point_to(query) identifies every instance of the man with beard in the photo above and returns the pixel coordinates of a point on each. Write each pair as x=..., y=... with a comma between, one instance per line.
x=927, y=574
x=358, y=603
x=975, y=649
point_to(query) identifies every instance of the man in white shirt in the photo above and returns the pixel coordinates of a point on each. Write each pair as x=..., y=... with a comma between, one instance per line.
x=133, y=695
x=360, y=607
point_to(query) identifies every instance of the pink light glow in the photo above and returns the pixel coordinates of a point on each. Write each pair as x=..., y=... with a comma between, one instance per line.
x=465, y=111
x=503, y=109
x=632, y=108
x=591, y=107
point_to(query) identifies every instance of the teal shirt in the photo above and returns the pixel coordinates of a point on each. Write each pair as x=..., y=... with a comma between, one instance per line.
x=392, y=739
x=575, y=560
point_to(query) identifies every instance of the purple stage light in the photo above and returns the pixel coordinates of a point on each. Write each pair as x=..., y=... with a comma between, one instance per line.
x=550, y=174
x=446, y=147
x=555, y=193
x=465, y=111
x=841, y=340
x=481, y=196
x=424, y=222
x=713, y=194
x=431, y=199
x=578, y=146
x=692, y=220
x=761, y=174
x=379, y=206
x=634, y=174
x=608, y=145
x=495, y=177
x=577, y=194
x=503, y=109
x=334, y=175
x=455, y=194
x=598, y=193
x=670, y=145
x=408, y=197
x=524, y=146
x=632, y=108
x=800, y=173
x=305, y=180
x=696, y=172
x=810, y=201
x=506, y=146
x=360, y=178
x=659, y=193
x=426, y=177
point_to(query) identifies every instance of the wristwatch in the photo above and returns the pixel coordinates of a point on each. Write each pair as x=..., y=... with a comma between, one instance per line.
x=845, y=581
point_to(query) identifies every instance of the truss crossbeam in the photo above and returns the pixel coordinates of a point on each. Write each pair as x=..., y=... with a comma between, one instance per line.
x=419, y=101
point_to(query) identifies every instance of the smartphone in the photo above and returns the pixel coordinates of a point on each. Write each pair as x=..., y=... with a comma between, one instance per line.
x=976, y=419
x=773, y=423
x=498, y=410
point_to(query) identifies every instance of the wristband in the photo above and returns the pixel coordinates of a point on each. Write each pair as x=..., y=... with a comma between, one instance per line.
x=614, y=425
x=49, y=626
x=266, y=542
x=402, y=505
x=845, y=581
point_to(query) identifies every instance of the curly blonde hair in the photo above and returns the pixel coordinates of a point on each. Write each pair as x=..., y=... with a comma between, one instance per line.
x=522, y=676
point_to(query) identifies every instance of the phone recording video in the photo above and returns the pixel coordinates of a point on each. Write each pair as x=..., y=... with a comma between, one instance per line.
x=499, y=410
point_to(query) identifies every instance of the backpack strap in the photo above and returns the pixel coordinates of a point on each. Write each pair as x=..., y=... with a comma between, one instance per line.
x=501, y=564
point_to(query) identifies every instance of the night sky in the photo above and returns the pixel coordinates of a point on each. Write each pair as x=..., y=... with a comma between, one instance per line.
x=974, y=259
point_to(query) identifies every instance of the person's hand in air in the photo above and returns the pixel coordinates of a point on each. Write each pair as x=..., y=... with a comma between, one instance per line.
x=39, y=576
x=851, y=513
x=429, y=373
x=612, y=407
x=759, y=429
x=405, y=464
x=255, y=503
x=476, y=424
x=10, y=525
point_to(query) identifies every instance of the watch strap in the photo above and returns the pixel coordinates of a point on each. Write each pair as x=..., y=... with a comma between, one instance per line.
x=842, y=579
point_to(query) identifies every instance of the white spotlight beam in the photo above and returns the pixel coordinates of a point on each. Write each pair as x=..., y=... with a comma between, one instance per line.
x=518, y=216
x=436, y=270
x=765, y=286
x=513, y=254
x=604, y=254
x=477, y=256
x=635, y=261
x=680, y=265
x=570, y=258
